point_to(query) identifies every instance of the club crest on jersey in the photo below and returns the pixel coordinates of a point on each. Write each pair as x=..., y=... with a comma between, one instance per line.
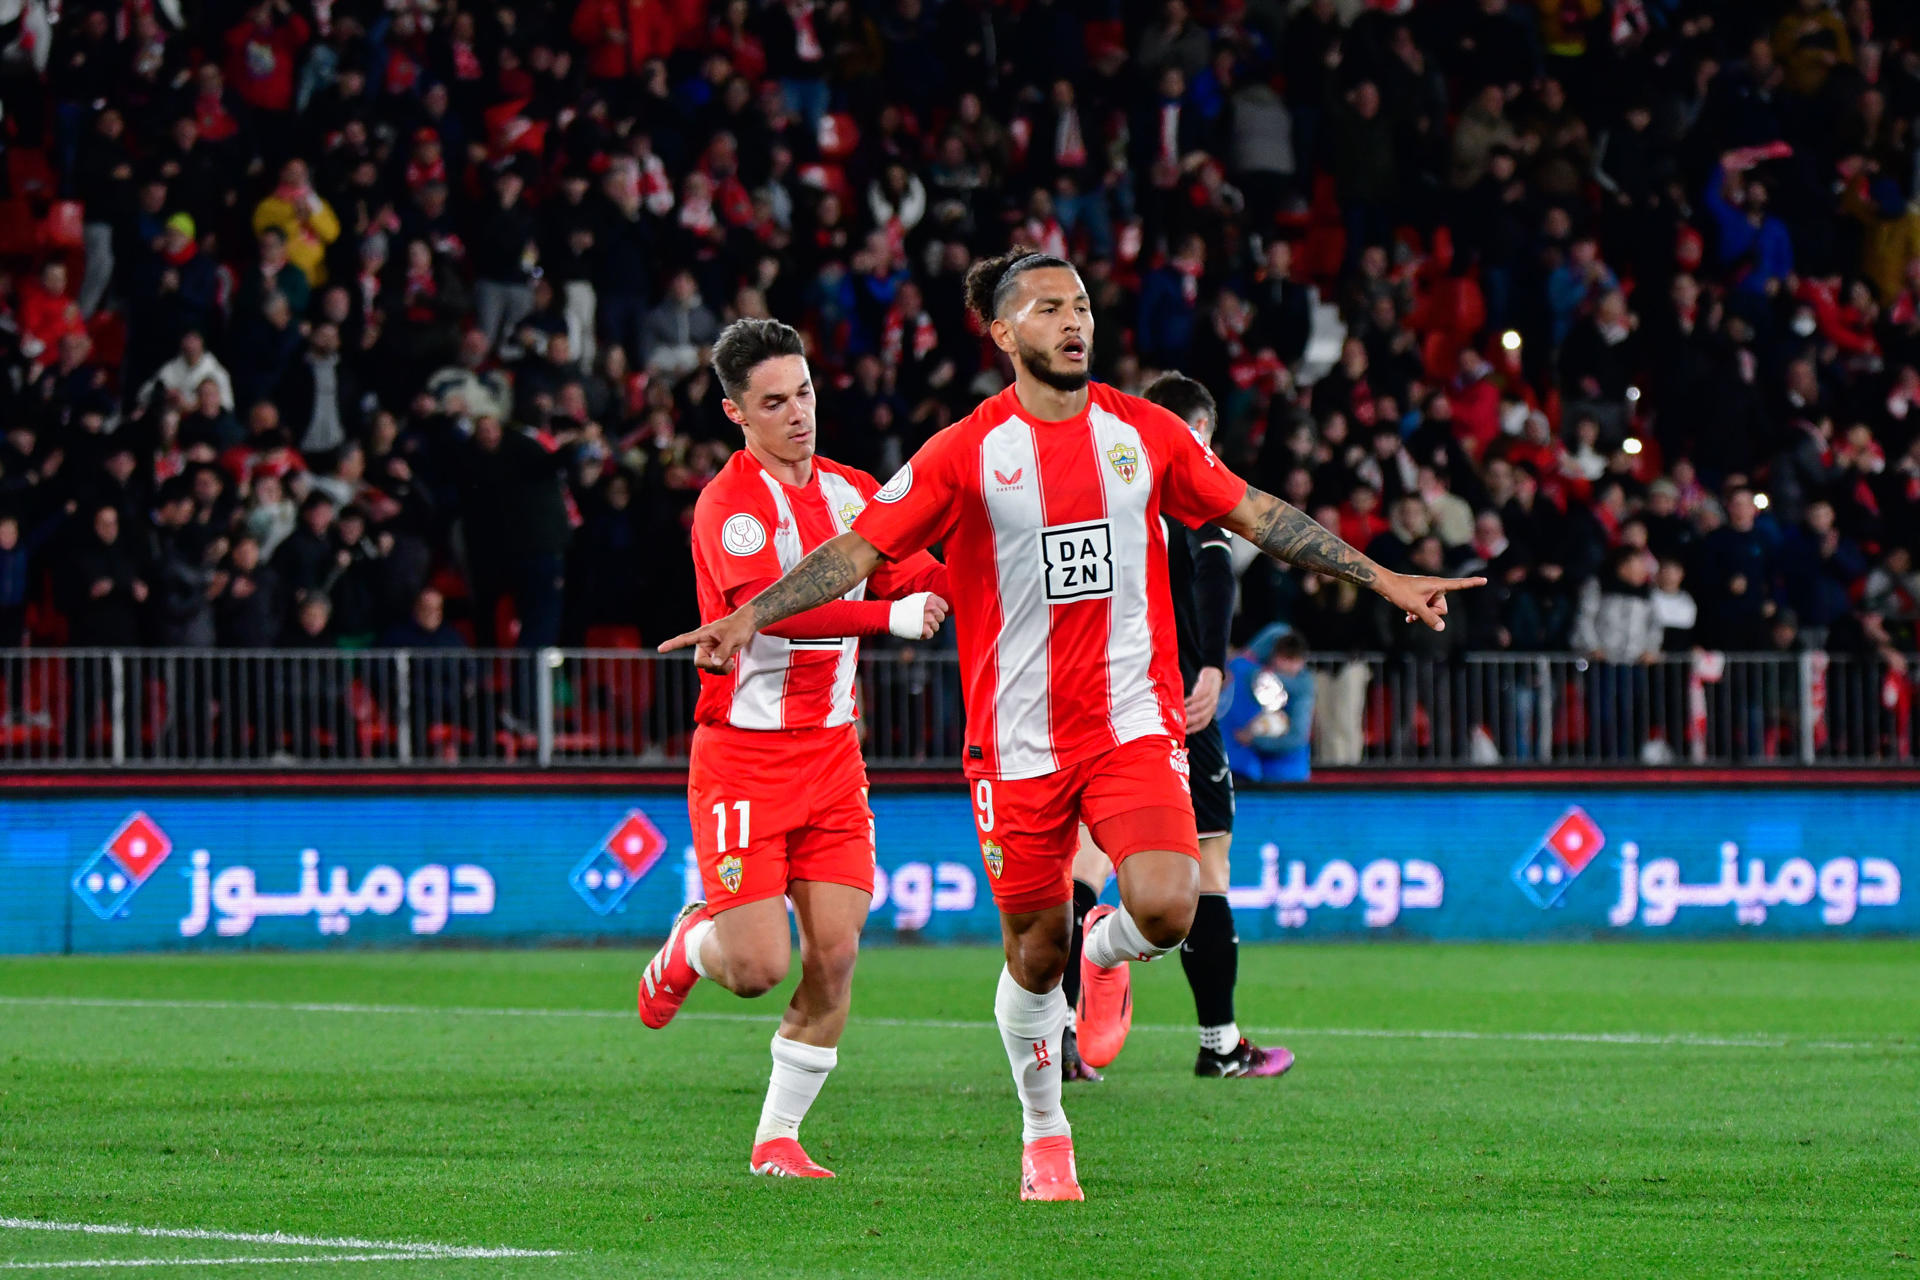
x=1125, y=460
x=851, y=512
x=730, y=870
x=991, y=855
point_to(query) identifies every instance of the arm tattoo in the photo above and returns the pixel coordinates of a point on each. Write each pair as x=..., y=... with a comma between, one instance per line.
x=1287, y=533
x=826, y=574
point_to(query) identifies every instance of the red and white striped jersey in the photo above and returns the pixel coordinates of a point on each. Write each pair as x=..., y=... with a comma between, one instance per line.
x=748, y=530
x=1058, y=567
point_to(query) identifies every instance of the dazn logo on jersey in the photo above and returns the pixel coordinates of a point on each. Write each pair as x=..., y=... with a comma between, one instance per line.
x=1079, y=561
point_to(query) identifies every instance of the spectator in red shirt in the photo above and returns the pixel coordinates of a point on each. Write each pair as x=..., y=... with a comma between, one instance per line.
x=622, y=36
x=1476, y=404
x=263, y=53
x=1360, y=517
x=47, y=314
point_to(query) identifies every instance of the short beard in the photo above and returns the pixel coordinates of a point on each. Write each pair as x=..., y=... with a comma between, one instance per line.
x=1036, y=362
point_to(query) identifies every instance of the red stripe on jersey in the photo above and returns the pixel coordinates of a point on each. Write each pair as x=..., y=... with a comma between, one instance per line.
x=811, y=672
x=977, y=628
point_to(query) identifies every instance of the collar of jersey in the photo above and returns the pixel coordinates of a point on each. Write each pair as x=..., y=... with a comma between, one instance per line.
x=1020, y=411
x=813, y=481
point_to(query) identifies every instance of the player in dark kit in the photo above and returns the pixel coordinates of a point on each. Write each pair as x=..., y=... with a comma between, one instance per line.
x=1200, y=579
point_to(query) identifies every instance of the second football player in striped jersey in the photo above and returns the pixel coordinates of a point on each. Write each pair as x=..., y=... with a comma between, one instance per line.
x=777, y=789
x=1048, y=500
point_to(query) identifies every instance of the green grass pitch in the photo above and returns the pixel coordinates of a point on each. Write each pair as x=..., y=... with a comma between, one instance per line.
x=1740, y=1109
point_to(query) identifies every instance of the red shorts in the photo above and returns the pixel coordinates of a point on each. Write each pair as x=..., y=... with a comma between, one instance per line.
x=1134, y=797
x=773, y=806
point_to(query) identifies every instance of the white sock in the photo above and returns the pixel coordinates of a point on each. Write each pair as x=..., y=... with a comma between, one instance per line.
x=1115, y=938
x=697, y=934
x=1031, y=1025
x=1220, y=1039
x=798, y=1072
x=1073, y=1022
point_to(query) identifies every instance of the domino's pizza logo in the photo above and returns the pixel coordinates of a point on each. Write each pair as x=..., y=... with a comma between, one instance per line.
x=607, y=875
x=1562, y=854
x=117, y=869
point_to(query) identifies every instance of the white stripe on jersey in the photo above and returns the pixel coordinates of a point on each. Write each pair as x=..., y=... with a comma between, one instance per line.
x=760, y=672
x=1133, y=707
x=841, y=497
x=1022, y=715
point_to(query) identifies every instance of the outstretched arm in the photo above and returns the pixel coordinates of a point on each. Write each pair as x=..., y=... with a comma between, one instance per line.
x=1290, y=535
x=828, y=572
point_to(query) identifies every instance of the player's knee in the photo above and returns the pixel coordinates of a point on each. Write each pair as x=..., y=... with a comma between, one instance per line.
x=1038, y=963
x=755, y=975
x=1165, y=921
x=830, y=964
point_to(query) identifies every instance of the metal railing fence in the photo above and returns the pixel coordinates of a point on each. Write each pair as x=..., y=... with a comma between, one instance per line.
x=161, y=708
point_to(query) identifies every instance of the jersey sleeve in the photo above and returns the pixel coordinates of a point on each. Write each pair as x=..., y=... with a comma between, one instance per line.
x=918, y=572
x=1195, y=486
x=735, y=537
x=919, y=505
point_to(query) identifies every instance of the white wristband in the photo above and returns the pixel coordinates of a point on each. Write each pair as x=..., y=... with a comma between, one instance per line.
x=908, y=616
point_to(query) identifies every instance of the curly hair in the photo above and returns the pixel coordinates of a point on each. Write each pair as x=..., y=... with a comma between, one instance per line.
x=990, y=280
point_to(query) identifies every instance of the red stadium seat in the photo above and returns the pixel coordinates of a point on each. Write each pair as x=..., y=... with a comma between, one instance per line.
x=30, y=173
x=839, y=136
x=108, y=329
x=370, y=722
x=64, y=226
x=1098, y=38
x=612, y=636
x=826, y=177
x=1321, y=254
x=1457, y=306
x=449, y=582
x=506, y=623
x=1326, y=205
x=1440, y=354
x=19, y=233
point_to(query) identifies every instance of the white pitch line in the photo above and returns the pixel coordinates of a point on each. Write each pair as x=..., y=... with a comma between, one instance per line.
x=213, y=1262
x=1630, y=1038
x=420, y=1250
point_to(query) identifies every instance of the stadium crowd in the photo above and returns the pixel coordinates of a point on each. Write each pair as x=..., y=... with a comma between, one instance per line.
x=321, y=314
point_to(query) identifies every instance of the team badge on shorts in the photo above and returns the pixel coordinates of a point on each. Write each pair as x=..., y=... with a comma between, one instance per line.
x=991, y=855
x=1126, y=461
x=730, y=870
x=1181, y=769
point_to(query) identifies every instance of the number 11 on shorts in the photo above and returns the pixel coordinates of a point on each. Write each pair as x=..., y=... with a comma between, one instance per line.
x=744, y=809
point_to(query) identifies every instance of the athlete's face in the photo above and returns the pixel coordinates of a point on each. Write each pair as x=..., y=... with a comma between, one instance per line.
x=776, y=411
x=1049, y=327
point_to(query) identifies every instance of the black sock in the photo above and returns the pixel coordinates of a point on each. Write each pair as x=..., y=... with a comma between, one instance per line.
x=1211, y=957
x=1085, y=899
